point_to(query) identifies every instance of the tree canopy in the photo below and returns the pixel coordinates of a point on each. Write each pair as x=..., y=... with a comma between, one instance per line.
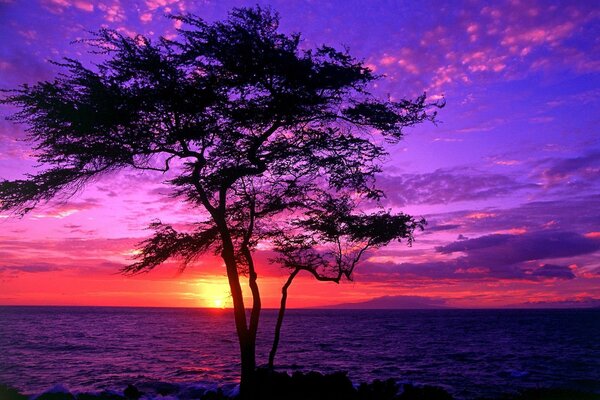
x=275, y=143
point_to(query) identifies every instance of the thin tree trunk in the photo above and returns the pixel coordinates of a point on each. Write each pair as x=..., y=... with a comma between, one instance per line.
x=253, y=326
x=247, y=344
x=256, y=301
x=280, y=316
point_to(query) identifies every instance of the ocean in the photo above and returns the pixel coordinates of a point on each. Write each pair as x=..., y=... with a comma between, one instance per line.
x=470, y=353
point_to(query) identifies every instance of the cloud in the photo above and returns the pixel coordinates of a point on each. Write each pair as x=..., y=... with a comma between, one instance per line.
x=583, y=168
x=576, y=214
x=504, y=41
x=503, y=249
x=554, y=271
x=585, y=302
x=492, y=257
x=484, y=126
x=441, y=227
x=63, y=210
x=59, y=6
x=154, y=4
x=387, y=272
x=445, y=186
x=113, y=12
x=84, y=5
x=67, y=248
x=30, y=268
x=146, y=17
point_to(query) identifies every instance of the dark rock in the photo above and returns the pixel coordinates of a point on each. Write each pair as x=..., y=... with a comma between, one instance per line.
x=553, y=394
x=56, y=396
x=378, y=390
x=58, y=392
x=162, y=388
x=559, y=394
x=212, y=395
x=9, y=393
x=100, y=396
x=132, y=393
x=272, y=385
x=340, y=384
x=411, y=392
x=191, y=393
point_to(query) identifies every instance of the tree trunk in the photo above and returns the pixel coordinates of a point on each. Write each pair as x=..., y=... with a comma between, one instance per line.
x=280, y=316
x=256, y=302
x=250, y=389
x=247, y=340
x=248, y=376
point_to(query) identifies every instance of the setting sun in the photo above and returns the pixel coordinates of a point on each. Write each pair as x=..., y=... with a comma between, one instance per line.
x=218, y=303
x=212, y=292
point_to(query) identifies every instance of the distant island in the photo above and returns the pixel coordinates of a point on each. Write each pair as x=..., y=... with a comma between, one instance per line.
x=435, y=303
x=393, y=302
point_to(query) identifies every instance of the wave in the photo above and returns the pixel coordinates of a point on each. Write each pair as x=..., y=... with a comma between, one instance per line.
x=142, y=391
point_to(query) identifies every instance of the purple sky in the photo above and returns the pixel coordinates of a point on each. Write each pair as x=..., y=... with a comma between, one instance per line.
x=509, y=180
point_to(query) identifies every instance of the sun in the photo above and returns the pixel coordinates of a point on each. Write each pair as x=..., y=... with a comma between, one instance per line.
x=212, y=292
x=218, y=303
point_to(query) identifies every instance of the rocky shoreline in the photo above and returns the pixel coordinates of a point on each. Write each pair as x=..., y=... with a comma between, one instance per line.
x=298, y=386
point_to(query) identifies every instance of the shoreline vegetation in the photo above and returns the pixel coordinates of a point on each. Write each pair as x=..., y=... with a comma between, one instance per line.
x=275, y=385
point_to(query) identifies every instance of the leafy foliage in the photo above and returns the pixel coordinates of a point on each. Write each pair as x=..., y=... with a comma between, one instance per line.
x=167, y=243
x=331, y=237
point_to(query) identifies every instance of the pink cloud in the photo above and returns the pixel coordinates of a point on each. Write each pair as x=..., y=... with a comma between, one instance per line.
x=481, y=61
x=58, y=6
x=448, y=74
x=112, y=12
x=387, y=60
x=404, y=59
x=518, y=38
x=480, y=215
x=63, y=210
x=84, y=5
x=146, y=17
x=507, y=162
x=154, y=4
x=512, y=231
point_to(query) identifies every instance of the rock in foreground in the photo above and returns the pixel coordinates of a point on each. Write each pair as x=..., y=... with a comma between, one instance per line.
x=273, y=385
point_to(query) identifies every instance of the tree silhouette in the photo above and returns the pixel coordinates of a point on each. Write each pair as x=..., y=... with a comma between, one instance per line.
x=329, y=242
x=275, y=143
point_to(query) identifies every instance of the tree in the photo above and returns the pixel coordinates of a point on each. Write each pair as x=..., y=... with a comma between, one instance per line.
x=263, y=136
x=330, y=242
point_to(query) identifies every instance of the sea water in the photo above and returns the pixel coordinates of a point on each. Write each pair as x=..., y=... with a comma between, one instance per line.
x=470, y=353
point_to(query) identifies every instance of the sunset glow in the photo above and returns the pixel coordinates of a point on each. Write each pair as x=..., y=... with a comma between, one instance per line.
x=509, y=180
x=213, y=292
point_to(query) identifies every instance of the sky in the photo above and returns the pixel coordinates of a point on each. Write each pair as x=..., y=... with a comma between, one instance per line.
x=509, y=179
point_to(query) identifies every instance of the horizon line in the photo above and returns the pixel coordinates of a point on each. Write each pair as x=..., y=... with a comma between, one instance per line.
x=332, y=307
